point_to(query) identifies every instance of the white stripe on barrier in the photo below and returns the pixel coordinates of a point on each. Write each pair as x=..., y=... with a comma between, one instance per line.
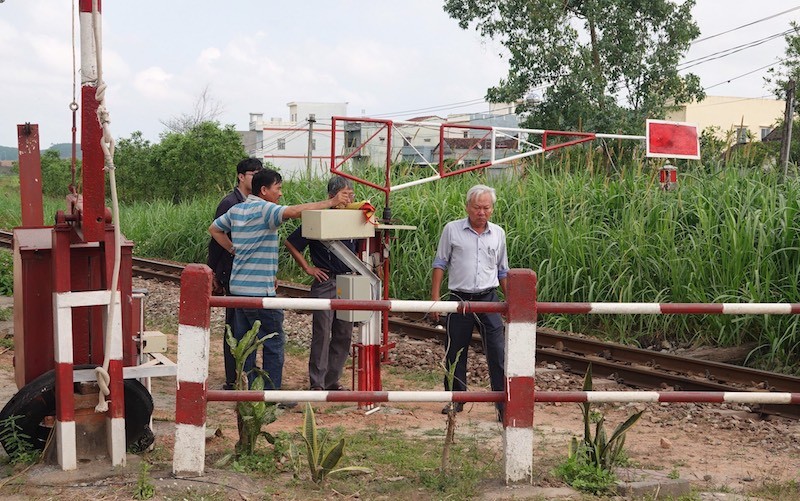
x=521, y=339
x=190, y=457
x=625, y=308
x=621, y=396
x=115, y=438
x=517, y=444
x=85, y=298
x=193, y=345
x=391, y=396
x=756, y=308
x=744, y=397
x=116, y=338
x=424, y=306
x=67, y=453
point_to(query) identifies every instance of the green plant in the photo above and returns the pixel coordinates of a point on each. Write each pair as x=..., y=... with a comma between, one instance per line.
x=17, y=444
x=251, y=416
x=6, y=274
x=584, y=475
x=450, y=375
x=320, y=463
x=144, y=485
x=600, y=450
x=674, y=474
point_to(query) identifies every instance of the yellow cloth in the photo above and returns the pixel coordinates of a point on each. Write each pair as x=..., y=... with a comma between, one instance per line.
x=364, y=205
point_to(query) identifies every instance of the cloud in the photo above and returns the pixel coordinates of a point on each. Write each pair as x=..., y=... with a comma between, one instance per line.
x=154, y=83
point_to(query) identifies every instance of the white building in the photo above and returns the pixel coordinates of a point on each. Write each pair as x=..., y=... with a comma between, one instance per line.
x=288, y=144
x=285, y=143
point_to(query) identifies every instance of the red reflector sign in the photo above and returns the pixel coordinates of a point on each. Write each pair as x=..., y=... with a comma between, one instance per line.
x=672, y=140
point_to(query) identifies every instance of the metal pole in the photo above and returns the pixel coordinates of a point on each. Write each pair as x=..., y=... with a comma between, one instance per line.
x=788, y=118
x=311, y=120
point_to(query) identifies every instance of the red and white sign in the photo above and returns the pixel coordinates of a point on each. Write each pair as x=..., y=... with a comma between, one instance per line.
x=672, y=140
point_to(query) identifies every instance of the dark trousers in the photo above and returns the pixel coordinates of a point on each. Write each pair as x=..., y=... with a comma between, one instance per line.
x=330, y=341
x=459, y=335
x=273, y=355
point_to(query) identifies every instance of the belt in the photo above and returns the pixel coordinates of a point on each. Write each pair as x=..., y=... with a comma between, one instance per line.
x=467, y=296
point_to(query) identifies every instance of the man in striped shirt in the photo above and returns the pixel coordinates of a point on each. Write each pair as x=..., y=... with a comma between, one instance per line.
x=253, y=226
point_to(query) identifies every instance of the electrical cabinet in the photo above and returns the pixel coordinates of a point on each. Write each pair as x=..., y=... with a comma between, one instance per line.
x=336, y=224
x=353, y=287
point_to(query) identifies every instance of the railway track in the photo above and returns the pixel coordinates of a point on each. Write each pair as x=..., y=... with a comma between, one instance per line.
x=628, y=365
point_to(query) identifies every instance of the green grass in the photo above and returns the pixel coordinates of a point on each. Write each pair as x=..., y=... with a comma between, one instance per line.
x=726, y=235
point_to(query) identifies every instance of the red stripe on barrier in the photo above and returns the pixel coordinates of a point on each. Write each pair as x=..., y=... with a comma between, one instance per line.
x=116, y=407
x=192, y=408
x=519, y=406
x=691, y=308
x=195, y=293
x=795, y=307
x=521, y=295
x=795, y=398
x=65, y=399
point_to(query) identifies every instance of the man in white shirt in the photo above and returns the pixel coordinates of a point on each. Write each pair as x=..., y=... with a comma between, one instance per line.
x=473, y=251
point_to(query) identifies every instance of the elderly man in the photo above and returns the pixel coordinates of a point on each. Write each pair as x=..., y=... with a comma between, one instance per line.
x=330, y=336
x=473, y=251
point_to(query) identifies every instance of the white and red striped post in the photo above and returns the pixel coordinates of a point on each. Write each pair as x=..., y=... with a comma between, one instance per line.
x=62, y=351
x=520, y=380
x=194, y=328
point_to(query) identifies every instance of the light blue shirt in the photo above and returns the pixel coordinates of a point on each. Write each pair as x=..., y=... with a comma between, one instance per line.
x=474, y=262
x=253, y=225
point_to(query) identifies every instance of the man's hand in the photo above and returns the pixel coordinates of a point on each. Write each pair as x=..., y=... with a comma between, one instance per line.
x=216, y=287
x=344, y=197
x=320, y=274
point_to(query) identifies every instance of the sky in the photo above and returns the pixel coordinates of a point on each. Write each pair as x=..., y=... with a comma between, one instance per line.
x=385, y=59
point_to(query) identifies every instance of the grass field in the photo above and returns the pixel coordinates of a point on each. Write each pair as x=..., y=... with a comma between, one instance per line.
x=727, y=235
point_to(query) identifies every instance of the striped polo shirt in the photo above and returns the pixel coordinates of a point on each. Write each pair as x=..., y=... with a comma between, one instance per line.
x=253, y=225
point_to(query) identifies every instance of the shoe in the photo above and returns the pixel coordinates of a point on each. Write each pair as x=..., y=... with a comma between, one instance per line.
x=228, y=386
x=316, y=388
x=287, y=405
x=457, y=406
x=338, y=387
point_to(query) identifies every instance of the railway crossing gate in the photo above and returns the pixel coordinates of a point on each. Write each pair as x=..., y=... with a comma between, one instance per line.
x=521, y=309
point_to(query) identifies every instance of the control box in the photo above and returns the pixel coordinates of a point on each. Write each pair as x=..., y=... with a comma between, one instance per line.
x=353, y=287
x=336, y=224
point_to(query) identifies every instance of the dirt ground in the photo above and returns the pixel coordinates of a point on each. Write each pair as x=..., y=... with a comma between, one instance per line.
x=720, y=449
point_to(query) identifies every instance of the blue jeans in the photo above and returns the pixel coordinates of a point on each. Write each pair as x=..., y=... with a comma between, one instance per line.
x=272, y=361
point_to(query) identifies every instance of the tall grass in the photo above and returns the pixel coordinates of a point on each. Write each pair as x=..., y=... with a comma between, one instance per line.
x=724, y=236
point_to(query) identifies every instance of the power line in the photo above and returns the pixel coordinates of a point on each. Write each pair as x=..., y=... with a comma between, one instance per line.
x=744, y=25
x=730, y=51
x=744, y=74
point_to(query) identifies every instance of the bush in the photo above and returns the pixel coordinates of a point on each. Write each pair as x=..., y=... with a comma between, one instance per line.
x=6, y=273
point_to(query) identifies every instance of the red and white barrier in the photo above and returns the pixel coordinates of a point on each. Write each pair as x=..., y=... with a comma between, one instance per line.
x=194, y=328
x=521, y=309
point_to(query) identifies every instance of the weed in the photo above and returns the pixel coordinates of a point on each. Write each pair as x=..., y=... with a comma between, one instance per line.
x=6, y=274
x=674, y=474
x=17, y=444
x=144, y=485
x=451, y=414
x=7, y=342
x=320, y=463
x=251, y=416
x=589, y=466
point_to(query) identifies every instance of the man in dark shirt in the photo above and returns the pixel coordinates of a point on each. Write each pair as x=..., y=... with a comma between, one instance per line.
x=221, y=261
x=330, y=337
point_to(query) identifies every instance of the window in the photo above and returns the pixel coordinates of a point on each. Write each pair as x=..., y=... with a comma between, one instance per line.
x=765, y=131
x=741, y=135
x=466, y=134
x=281, y=144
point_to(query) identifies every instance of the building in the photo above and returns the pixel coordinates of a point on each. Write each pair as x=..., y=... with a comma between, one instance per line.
x=287, y=143
x=736, y=117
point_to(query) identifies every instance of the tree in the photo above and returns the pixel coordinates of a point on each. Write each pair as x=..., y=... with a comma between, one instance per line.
x=57, y=173
x=778, y=77
x=201, y=160
x=607, y=65
x=206, y=109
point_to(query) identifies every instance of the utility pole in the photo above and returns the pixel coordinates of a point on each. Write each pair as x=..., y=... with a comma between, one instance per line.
x=311, y=120
x=788, y=118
